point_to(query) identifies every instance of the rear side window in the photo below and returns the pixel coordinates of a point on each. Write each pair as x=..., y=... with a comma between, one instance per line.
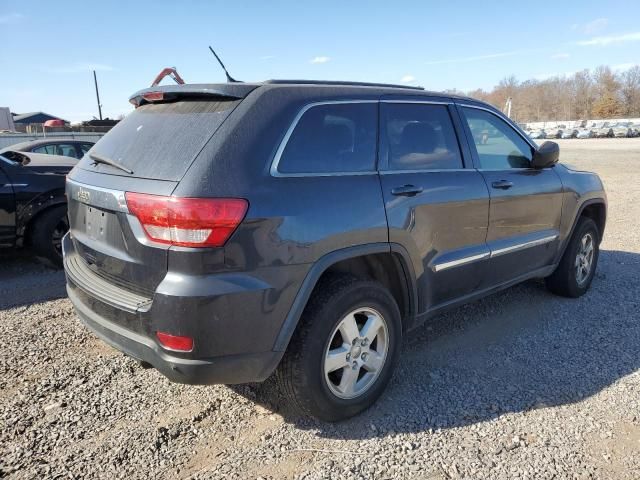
x=160, y=141
x=498, y=145
x=47, y=149
x=333, y=138
x=419, y=137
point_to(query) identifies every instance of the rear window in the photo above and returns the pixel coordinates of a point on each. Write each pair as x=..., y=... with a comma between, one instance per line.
x=333, y=138
x=160, y=141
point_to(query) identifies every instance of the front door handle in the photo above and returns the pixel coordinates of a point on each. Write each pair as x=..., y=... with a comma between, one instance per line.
x=406, y=190
x=502, y=184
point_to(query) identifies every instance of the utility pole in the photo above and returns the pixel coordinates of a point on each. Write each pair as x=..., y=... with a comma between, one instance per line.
x=95, y=81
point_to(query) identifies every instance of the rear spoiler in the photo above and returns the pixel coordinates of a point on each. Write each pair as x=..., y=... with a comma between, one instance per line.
x=231, y=91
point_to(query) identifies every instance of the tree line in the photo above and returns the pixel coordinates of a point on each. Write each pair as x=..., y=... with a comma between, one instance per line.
x=599, y=94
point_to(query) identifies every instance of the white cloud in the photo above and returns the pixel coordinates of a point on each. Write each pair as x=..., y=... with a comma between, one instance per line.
x=320, y=59
x=264, y=58
x=595, y=26
x=408, y=79
x=477, y=58
x=622, y=67
x=10, y=18
x=560, y=56
x=80, y=68
x=610, y=40
x=547, y=76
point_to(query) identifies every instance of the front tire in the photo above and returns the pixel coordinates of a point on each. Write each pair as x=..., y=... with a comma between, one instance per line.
x=343, y=353
x=573, y=276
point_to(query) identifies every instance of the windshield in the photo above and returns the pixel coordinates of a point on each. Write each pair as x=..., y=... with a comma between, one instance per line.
x=160, y=141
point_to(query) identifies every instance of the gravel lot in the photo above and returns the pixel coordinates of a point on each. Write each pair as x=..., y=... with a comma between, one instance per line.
x=520, y=385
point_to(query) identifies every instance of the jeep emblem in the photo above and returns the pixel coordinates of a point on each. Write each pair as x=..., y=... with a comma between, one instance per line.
x=83, y=195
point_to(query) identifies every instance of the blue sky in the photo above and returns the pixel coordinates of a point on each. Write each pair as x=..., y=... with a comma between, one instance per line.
x=48, y=49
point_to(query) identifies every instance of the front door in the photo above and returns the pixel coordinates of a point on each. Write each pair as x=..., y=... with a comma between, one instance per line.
x=526, y=203
x=437, y=204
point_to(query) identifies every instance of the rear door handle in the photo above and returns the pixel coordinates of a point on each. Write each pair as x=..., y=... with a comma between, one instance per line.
x=502, y=184
x=406, y=190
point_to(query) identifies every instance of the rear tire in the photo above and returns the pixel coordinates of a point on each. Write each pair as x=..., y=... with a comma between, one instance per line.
x=46, y=235
x=576, y=270
x=343, y=353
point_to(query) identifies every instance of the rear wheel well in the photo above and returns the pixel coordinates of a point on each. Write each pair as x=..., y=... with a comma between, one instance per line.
x=597, y=213
x=385, y=268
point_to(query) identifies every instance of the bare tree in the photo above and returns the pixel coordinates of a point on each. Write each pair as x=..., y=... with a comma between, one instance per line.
x=630, y=90
x=602, y=93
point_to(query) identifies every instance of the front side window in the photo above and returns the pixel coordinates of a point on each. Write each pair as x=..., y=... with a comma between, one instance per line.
x=333, y=138
x=498, y=145
x=66, y=150
x=419, y=137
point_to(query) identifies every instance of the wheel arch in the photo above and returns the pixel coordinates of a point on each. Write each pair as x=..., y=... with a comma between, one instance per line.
x=33, y=212
x=596, y=209
x=387, y=263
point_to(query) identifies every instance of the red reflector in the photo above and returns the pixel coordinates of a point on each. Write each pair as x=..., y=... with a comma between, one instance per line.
x=153, y=96
x=187, y=222
x=175, y=342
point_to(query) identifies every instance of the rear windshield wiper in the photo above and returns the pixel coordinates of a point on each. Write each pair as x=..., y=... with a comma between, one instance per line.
x=107, y=161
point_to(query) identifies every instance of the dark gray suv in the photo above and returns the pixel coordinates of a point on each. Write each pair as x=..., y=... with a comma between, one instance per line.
x=223, y=233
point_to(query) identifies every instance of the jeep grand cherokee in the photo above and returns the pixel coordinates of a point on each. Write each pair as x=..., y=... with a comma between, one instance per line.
x=223, y=233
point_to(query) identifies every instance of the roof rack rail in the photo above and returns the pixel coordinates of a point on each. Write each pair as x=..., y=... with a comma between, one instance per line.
x=337, y=82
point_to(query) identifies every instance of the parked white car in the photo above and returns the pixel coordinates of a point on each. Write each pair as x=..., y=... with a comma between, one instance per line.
x=585, y=133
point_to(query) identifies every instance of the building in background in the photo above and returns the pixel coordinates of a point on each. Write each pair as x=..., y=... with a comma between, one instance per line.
x=6, y=120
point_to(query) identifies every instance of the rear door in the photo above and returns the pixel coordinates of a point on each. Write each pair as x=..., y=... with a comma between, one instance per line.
x=7, y=207
x=437, y=204
x=526, y=203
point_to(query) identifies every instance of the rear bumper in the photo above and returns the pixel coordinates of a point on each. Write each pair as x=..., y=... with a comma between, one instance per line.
x=234, y=319
x=227, y=369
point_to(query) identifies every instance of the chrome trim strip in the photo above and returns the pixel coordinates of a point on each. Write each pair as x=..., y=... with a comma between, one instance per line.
x=15, y=185
x=438, y=267
x=503, y=117
x=435, y=170
x=100, y=197
x=522, y=246
x=276, y=159
x=461, y=261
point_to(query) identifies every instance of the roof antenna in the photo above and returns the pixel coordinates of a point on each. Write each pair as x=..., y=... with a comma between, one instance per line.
x=230, y=79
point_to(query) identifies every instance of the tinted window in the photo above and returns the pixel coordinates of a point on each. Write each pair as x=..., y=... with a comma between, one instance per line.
x=333, y=138
x=498, y=145
x=85, y=147
x=48, y=149
x=161, y=140
x=420, y=137
x=66, y=150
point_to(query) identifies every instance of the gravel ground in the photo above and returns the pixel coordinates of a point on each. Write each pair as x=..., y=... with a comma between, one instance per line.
x=519, y=385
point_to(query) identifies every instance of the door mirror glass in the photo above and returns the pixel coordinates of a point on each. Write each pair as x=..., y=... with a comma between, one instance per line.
x=546, y=156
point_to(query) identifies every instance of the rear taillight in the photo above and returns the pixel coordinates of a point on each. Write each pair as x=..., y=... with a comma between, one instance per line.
x=175, y=342
x=187, y=222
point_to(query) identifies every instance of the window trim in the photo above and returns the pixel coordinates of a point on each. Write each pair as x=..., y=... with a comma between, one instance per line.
x=474, y=149
x=383, y=164
x=273, y=170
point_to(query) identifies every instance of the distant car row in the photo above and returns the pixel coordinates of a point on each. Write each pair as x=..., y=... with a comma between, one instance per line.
x=617, y=130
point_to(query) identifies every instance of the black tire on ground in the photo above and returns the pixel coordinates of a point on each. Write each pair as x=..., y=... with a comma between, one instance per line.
x=301, y=378
x=46, y=234
x=564, y=280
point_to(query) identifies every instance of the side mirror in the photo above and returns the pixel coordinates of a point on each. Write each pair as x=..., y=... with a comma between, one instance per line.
x=546, y=156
